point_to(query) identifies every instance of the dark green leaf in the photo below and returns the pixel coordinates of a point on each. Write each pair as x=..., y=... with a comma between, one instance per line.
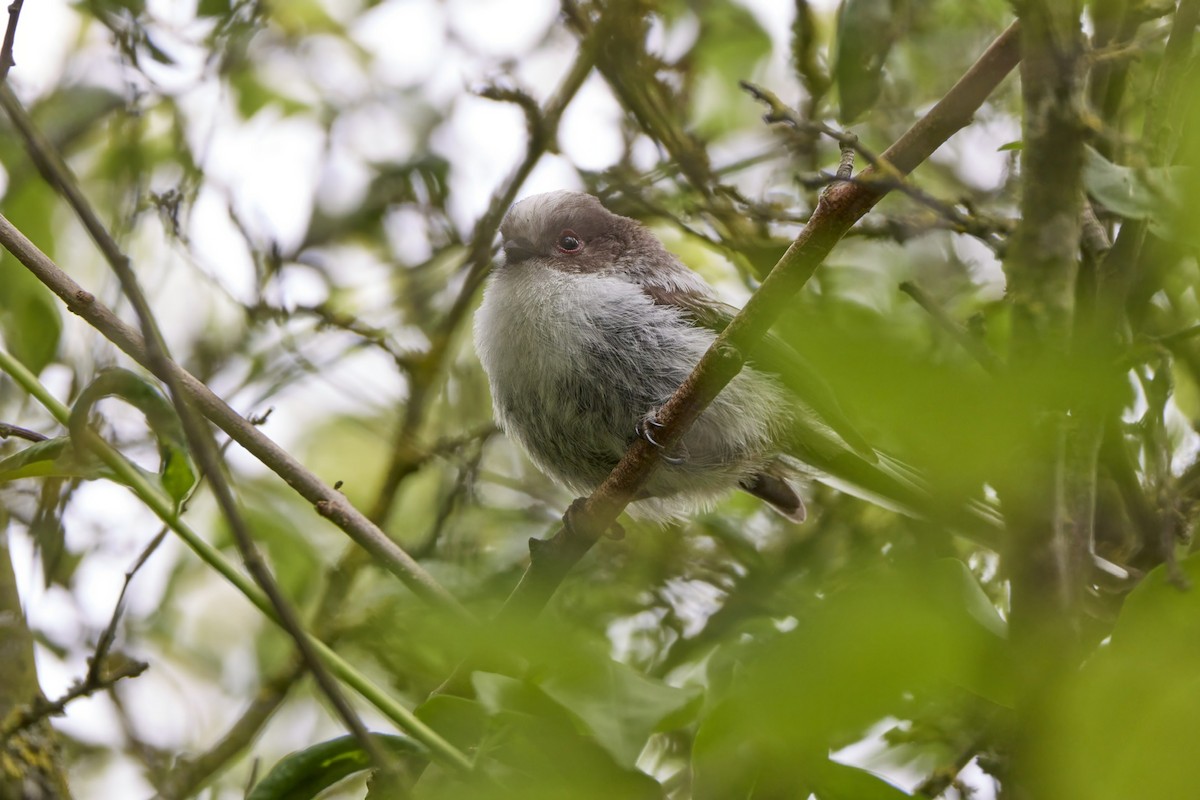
x=214, y=8
x=306, y=773
x=866, y=31
x=176, y=473
x=52, y=458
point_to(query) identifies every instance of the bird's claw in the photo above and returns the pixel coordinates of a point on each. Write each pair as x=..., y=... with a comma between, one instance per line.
x=643, y=432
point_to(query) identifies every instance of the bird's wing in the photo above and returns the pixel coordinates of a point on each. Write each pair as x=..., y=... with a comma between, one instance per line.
x=773, y=356
x=855, y=467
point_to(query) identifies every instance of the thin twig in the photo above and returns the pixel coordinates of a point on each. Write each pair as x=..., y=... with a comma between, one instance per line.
x=328, y=502
x=16, y=431
x=202, y=445
x=7, y=61
x=157, y=501
x=101, y=674
x=778, y=111
x=98, y=679
x=110, y=632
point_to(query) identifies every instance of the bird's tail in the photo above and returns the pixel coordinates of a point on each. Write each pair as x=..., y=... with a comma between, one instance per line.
x=892, y=484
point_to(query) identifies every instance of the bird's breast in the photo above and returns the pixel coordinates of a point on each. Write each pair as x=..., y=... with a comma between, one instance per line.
x=574, y=362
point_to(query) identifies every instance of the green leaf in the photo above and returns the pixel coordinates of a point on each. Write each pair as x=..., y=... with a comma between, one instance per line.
x=729, y=46
x=500, y=693
x=460, y=721
x=962, y=588
x=52, y=458
x=1155, y=194
x=29, y=316
x=214, y=8
x=619, y=705
x=304, y=774
x=843, y=782
x=854, y=657
x=866, y=31
x=176, y=473
x=253, y=95
x=539, y=757
x=1126, y=725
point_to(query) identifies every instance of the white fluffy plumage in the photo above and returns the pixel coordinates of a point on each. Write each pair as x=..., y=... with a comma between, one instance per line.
x=577, y=354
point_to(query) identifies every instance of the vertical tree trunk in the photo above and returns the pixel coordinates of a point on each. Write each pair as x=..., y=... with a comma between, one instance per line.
x=1047, y=505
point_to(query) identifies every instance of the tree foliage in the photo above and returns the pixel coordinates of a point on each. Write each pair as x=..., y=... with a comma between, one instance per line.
x=308, y=194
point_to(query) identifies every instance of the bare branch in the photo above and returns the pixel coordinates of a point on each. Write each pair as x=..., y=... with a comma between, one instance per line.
x=7, y=61
x=16, y=431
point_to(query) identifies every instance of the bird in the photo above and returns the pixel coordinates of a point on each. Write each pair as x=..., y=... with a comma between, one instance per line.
x=587, y=327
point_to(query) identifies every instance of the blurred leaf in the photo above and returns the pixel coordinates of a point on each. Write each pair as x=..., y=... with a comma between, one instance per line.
x=158, y=54
x=460, y=721
x=800, y=694
x=842, y=782
x=214, y=8
x=501, y=693
x=72, y=110
x=306, y=773
x=177, y=475
x=1132, y=193
x=253, y=95
x=621, y=706
x=1125, y=726
x=729, y=46
x=866, y=31
x=532, y=750
x=963, y=588
x=294, y=561
x=303, y=18
x=29, y=316
x=52, y=458
x=99, y=7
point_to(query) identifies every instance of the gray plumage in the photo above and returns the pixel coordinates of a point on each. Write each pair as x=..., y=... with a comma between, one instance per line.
x=590, y=325
x=580, y=348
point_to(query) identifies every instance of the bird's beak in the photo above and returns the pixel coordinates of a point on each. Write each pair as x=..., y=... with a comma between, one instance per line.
x=518, y=250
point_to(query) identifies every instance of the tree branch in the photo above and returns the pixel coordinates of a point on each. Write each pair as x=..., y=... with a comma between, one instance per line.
x=328, y=502
x=7, y=61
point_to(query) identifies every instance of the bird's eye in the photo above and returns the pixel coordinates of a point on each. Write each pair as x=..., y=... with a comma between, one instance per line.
x=569, y=242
